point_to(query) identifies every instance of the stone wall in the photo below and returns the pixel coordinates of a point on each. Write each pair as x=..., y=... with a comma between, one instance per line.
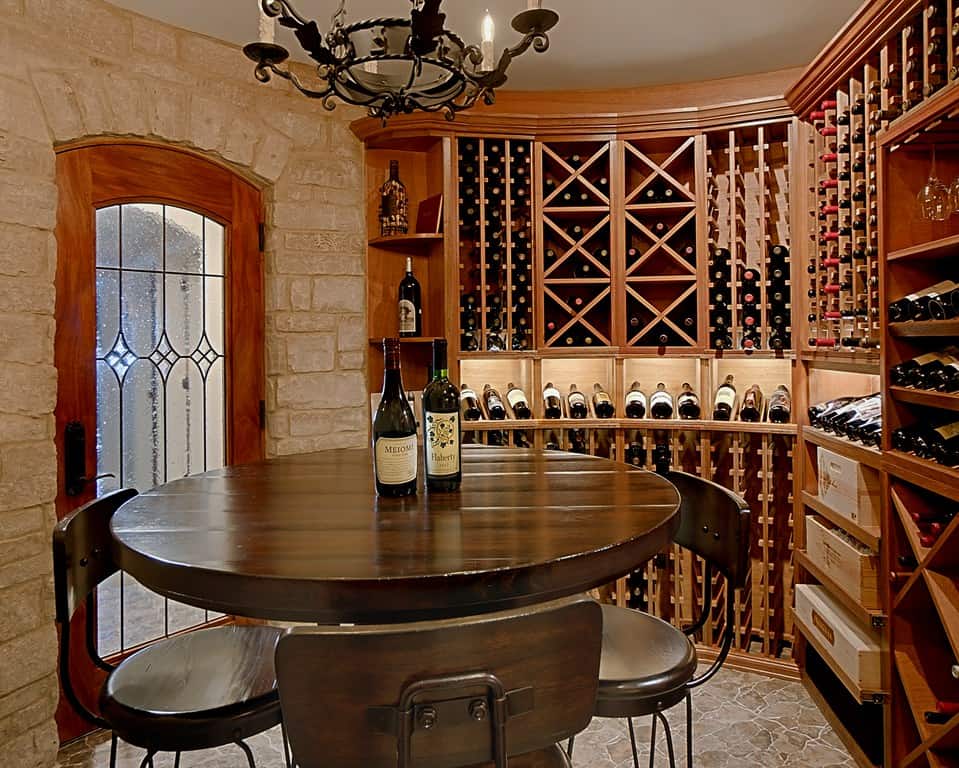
x=80, y=68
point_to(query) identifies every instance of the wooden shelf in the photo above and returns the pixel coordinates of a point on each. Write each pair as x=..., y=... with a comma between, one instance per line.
x=858, y=692
x=854, y=362
x=576, y=210
x=923, y=473
x=835, y=589
x=683, y=205
x=920, y=698
x=836, y=724
x=909, y=527
x=943, y=400
x=944, y=246
x=695, y=425
x=870, y=536
x=405, y=242
x=918, y=329
x=855, y=451
x=944, y=592
x=407, y=340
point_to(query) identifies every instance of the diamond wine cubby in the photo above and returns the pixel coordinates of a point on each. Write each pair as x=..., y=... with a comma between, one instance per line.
x=749, y=276
x=577, y=260
x=495, y=244
x=661, y=249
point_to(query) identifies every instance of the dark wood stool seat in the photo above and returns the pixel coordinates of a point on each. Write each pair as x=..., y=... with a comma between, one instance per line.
x=645, y=665
x=195, y=691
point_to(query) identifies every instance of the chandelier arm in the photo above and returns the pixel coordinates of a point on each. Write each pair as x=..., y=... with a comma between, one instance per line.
x=263, y=71
x=285, y=10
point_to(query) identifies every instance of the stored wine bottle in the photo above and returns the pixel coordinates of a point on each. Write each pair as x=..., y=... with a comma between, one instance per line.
x=687, y=404
x=518, y=402
x=394, y=431
x=944, y=306
x=752, y=407
x=552, y=402
x=410, y=303
x=576, y=403
x=725, y=400
x=945, y=444
x=909, y=306
x=780, y=405
x=661, y=403
x=602, y=403
x=635, y=402
x=494, y=403
x=922, y=371
x=469, y=404
x=441, y=426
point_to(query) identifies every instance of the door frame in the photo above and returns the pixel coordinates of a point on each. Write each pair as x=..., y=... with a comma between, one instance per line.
x=101, y=172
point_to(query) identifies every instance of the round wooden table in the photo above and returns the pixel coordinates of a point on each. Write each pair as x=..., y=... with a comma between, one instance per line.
x=305, y=538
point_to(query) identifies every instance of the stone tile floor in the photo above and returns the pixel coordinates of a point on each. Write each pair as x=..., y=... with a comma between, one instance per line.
x=740, y=721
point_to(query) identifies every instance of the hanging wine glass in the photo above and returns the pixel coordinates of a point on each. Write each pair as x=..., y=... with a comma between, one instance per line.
x=954, y=195
x=934, y=199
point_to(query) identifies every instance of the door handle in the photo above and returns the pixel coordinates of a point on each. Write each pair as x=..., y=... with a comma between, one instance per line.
x=75, y=459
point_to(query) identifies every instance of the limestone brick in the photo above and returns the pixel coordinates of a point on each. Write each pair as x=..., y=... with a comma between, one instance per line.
x=209, y=120
x=60, y=104
x=167, y=110
x=301, y=293
x=200, y=52
x=320, y=390
x=241, y=139
x=26, y=338
x=339, y=294
x=128, y=103
x=26, y=157
x=351, y=361
x=311, y=353
x=26, y=200
x=351, y=334
x=307, y=263
x=27, y=389
x=26, y=252
x=302, y=322
x=26, y=659
x=92, y=26
x=23, y=609
x=21, y=522
x=25, y=569
x=327, y=242
x=27, y=707
x=36, y=748
x=20, y=111
x=153, y=38
x=317, y=423
x=272, y=155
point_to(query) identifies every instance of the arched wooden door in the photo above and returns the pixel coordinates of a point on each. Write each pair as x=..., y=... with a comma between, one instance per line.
x=159, y=346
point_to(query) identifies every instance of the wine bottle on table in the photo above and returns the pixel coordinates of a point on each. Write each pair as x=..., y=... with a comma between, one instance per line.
x=494, y=403
x=576, y=403
x=410, y=304
x=552, y=402
x=635, y=402
x=752, y=407
x=780, y=405
x=661, y=403
x=394, y=431
x=441, y=426
x=518, y=402
x=602, y=403
x=469, y=404
x=687, y=404
x=725, y=400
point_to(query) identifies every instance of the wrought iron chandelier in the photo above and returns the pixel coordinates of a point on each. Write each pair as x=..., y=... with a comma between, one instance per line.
x=393, y=65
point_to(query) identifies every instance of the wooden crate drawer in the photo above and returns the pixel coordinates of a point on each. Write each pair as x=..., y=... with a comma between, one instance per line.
x=850, y=488
x=847, y=645
x=844, y=560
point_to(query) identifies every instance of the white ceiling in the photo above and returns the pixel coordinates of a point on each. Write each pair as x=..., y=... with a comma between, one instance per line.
x=598, y=43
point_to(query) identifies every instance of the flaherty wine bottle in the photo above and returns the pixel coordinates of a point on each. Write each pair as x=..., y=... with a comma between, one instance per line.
x=394, y=431
x=441, y=426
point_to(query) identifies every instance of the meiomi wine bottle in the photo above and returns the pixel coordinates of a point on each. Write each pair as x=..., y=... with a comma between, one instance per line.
x=410, y=304
x=394, y=431
x=725, y=400
x=441, y=426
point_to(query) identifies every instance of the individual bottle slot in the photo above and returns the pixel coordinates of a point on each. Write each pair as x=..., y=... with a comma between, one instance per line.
x=576, y=403
x=751, y=409
x=603, y=405
x=552, y=402
x=494, y=403
x=636, y=402
x=687, y=403
x=518, y=402
x=661, y=403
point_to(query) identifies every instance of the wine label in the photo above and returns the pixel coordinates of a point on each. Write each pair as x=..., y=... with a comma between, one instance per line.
x=577, y=397
x=636, y=397
x=395, y=459
x=660, y=397
x=551, y=392
x=442, y=444
x=407, y=316
x=687, y=397
x=514, y=397
x=492, y=401
x=949, y=431
x=928, y=358
x=725, y=396
x=466, y=394
x=602, y=397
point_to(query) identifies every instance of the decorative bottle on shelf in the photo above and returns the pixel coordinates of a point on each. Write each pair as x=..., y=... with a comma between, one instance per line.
x=725, y=400
x=780, y=405
x=494, y=403
x=518, y=402
x=394, y=204
x=552, y=402
x=602, y=403
x=661, y=403
x=410, y=303
x=576, y=403
x=469, y=404
x=394, y=431
x=635, y=402
x=752, y=407
x=441, y=426
x=687, y=404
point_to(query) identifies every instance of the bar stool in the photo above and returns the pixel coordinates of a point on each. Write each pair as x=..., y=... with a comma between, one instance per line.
x=648, y=665
x=198, y=690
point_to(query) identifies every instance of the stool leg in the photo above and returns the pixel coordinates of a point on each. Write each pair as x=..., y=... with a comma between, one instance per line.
x=689, y=730
x=652, y=744
x=669, y=739
x=287, y=752
x=148, y=759
x=569, y=747
x=176, y=761
x=113, y=750
x=249, y=754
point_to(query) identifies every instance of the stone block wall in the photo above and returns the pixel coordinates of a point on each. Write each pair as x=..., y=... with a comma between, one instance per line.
x=83, y=68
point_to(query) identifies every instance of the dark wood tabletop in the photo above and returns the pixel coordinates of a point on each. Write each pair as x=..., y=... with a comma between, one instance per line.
x=305, y=538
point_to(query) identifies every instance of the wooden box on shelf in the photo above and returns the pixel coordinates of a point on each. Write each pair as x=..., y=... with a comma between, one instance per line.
x=856, y=570
x=847, y=646
x=850, y=488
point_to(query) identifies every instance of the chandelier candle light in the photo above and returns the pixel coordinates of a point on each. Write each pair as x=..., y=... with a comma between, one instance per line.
x=397, y=65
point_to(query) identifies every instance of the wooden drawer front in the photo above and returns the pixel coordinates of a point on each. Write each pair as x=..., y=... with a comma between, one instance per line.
x=849, y=488
x=856, y=571
x=851, y=647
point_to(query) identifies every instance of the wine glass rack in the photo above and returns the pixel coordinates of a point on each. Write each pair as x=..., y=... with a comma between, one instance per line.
x=495, y=244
